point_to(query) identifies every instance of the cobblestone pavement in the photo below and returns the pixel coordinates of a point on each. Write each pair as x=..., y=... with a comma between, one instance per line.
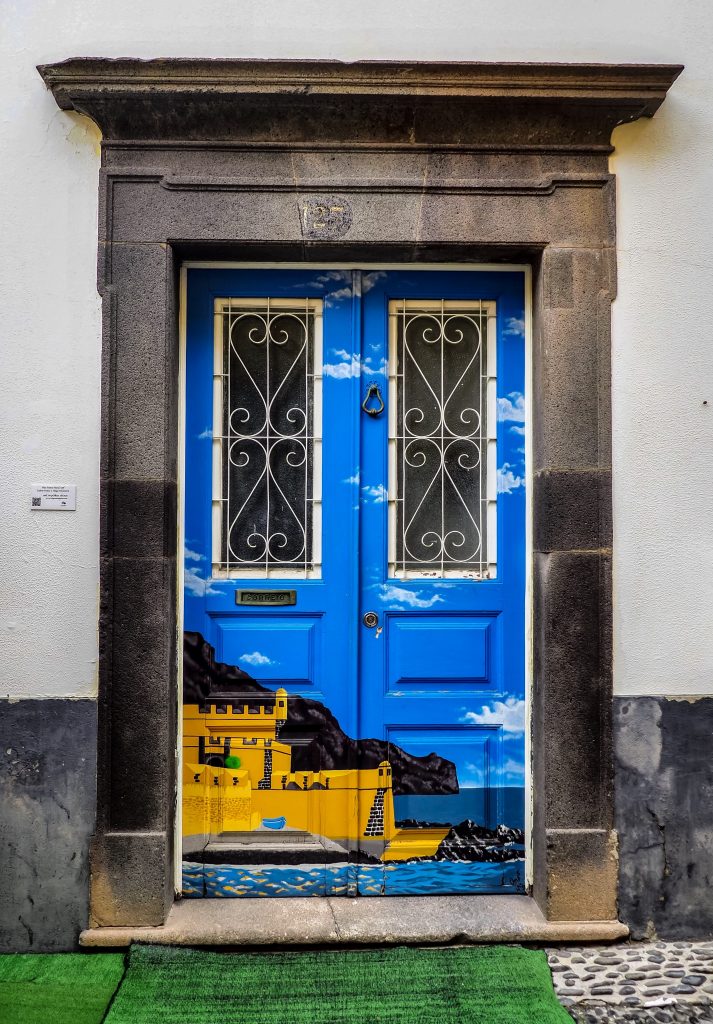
x=636, y=983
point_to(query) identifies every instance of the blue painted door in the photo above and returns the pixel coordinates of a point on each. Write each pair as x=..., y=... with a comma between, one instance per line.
x=354, y=582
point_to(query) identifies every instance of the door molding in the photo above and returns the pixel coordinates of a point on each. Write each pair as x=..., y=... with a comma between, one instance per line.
x=373, y=162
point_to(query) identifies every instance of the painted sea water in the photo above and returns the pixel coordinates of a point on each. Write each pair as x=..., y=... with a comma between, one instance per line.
x=419, y=878
x=489, y=807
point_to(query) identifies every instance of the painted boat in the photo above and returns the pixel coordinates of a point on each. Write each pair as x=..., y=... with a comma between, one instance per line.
x=276, y=823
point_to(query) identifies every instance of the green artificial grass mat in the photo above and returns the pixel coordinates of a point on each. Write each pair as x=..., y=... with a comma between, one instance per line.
x=57, y=988
x=481, y=984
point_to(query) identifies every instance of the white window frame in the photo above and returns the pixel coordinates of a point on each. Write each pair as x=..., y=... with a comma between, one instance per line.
x=396, y=306
x=222, y=307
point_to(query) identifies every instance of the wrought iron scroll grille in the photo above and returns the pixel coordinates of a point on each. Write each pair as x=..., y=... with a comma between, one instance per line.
x=442, y=436
x=267, y=424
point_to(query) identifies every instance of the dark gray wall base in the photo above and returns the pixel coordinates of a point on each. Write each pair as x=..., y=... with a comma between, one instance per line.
x=48, y=800
x=664, y=815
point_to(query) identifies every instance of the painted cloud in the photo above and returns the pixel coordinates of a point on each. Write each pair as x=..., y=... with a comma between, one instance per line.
x=507, y=480
x=512, y=408
x=409, y=598
x=350, y=365
x=369, y=280
x=508, y=714
x=515, y=325
x=347, y=367
x=332, y=298
x=376, y=494
x=194, y=583
x=255, y=658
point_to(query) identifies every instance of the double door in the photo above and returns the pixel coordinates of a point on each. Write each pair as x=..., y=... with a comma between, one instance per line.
x=354, y=582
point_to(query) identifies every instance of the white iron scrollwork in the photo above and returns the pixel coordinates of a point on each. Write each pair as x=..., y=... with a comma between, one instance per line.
x=267, y=402
x=441, y=440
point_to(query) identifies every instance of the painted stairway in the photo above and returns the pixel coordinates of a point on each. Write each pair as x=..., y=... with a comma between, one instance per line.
x=375, y=822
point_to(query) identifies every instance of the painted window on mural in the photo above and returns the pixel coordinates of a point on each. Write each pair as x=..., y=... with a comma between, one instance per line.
x=266, y=435
x=442, y=439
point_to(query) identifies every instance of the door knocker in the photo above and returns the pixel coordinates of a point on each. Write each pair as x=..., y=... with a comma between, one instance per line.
x=373, y=392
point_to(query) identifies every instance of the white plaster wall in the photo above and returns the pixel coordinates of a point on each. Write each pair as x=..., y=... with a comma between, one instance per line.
x=49, y=312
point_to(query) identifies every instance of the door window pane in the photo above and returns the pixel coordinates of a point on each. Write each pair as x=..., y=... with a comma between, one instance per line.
x=267, y=438
x=442, y=439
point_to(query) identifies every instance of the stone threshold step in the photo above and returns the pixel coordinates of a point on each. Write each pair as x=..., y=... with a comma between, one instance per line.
x=368, y=920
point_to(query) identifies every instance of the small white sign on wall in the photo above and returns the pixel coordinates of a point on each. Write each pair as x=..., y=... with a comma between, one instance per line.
x=58, y=497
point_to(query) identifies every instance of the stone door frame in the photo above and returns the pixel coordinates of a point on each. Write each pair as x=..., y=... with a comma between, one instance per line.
x=436, y=163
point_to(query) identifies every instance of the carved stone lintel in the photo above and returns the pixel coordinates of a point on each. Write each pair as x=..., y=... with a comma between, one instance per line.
x=498, y=105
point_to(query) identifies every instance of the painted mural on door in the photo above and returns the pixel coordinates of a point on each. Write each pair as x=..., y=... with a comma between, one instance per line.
x=353, y=673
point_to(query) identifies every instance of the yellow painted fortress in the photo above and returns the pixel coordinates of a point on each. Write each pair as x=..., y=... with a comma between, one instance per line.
x=250, y=788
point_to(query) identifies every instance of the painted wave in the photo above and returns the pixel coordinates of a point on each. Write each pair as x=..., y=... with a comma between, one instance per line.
x=420, y=878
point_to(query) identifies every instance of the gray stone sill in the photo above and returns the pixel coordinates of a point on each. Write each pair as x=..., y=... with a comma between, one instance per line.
x=367, y=921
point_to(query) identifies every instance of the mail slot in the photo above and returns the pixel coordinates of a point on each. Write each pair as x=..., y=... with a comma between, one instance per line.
x=266, y=598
